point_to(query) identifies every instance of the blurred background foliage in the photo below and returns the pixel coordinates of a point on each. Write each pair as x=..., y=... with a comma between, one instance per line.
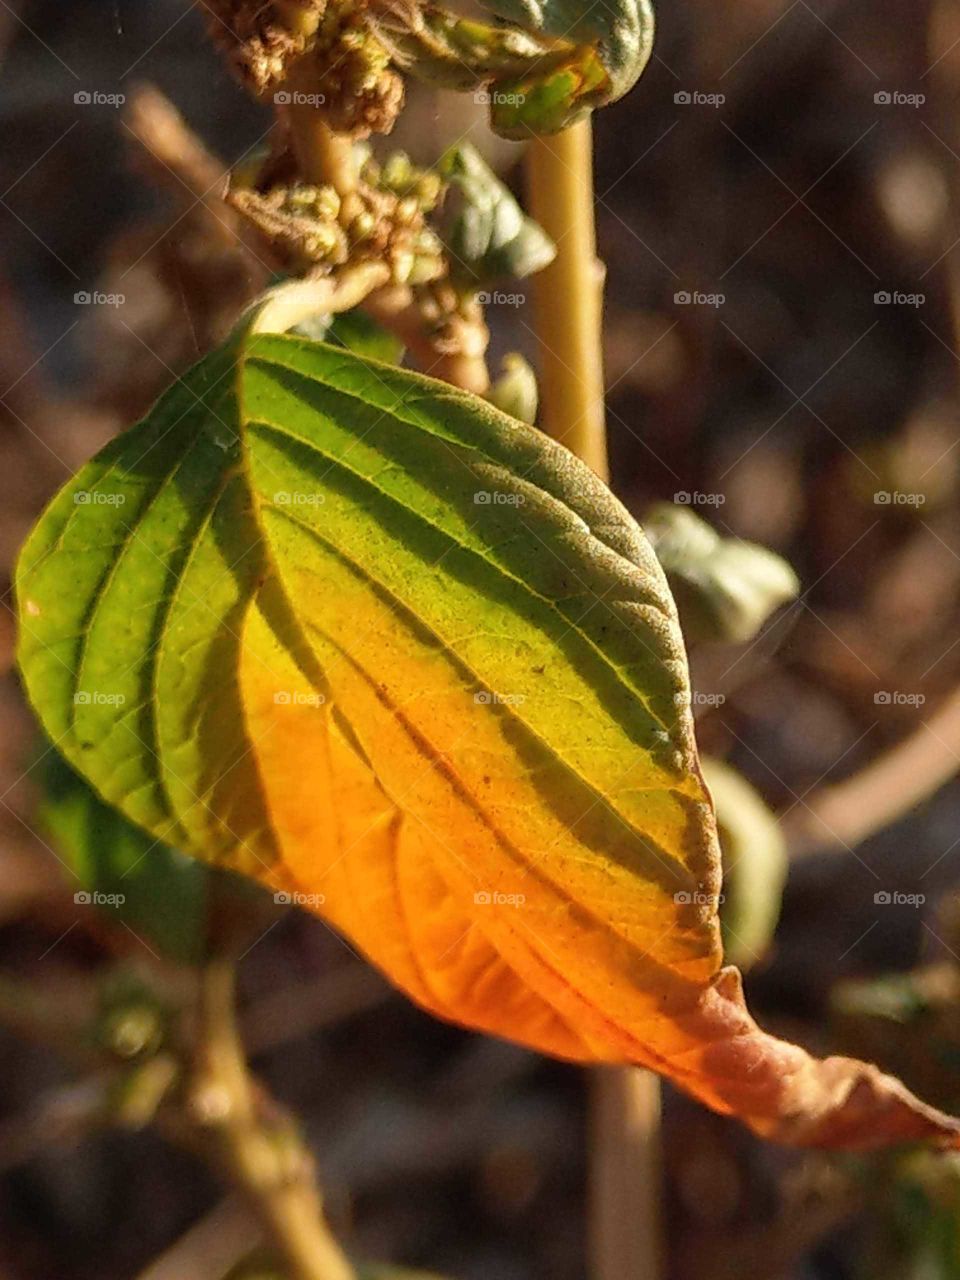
x=826, y=178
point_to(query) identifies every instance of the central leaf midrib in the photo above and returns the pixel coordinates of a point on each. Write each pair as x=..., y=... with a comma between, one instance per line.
x=439, y=761
x=508, y=710
x=635, y=693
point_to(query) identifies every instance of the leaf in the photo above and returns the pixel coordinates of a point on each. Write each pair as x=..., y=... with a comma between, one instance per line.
x=356, y=331
x=725, y=589
x=157, y=892
x=556, y=61
x=489, y=236
x=754, y=864
x=516, y=391
x=368, y=640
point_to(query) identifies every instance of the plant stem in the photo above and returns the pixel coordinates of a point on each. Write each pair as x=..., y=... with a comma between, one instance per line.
x=568, y=295
x=568, y=307
x=322, y=155
x=625, y=1227
x=452, y=350
x=260, y=1149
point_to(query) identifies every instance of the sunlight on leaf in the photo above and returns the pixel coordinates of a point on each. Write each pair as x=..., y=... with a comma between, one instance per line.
x=406, y=660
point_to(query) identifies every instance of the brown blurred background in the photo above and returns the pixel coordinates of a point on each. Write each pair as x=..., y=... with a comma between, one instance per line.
x=793, y=168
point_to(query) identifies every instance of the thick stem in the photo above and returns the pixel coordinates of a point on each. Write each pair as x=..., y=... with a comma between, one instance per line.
x=259, y=1148
x=322, y=155
x=625, y=1226
x=568, y=295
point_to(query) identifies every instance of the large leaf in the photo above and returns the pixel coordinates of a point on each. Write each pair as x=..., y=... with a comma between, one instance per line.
x=376, y=644
x=157, y=892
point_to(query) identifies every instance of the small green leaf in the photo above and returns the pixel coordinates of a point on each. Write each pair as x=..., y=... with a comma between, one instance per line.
x=754, y=865
x=516, y=391
x=621, y=32
x=725, y=588
x=561, y=59
x=157, y=892
x=489, y=236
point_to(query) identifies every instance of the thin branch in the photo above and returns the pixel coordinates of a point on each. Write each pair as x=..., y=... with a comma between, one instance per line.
x=842, y=815
x=257, y=1144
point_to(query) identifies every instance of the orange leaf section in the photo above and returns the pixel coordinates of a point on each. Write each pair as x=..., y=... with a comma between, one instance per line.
x=381, y=835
